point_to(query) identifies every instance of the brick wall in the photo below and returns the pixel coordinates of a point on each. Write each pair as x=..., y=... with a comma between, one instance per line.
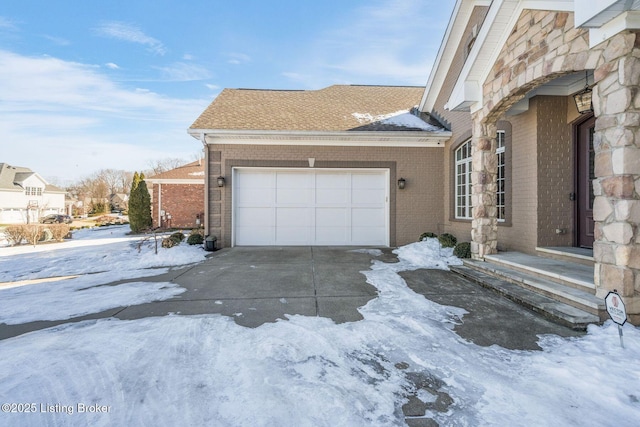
x=415, y=209
x=521, y=235
x=183, y=201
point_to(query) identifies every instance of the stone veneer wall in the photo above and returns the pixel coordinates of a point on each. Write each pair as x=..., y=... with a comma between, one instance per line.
x=543, y=46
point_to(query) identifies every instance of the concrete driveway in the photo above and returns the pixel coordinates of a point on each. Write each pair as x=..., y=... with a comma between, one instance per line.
x=256, y=285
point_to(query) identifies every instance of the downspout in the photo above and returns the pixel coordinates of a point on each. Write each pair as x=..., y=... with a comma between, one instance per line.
x=159, y=204
x=206, y=183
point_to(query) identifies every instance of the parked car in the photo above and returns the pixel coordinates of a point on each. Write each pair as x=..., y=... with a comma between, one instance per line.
x=56, y=219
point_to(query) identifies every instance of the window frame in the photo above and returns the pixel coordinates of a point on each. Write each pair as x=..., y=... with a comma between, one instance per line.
x=466, y=164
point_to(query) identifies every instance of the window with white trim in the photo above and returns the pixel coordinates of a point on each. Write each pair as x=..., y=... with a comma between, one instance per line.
x=463, y=181
x=501, y=180
x=33, y=191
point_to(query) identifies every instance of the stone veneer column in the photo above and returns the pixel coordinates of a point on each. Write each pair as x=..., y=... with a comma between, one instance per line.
x=484, y=225
x=616, y=207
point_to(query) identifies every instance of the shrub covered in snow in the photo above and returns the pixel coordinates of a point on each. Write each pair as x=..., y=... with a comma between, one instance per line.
x=173, y=240
x=427, y=235
x=462, y=250
x=447, y=240
x=195, y=238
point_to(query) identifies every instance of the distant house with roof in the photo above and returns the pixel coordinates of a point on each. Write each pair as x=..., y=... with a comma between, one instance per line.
x=344, y=165
x=25, y=196
x=177, y=196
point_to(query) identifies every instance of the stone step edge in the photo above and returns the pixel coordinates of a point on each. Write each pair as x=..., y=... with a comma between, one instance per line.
x=565, y=256
x=555, y=277
x=581, y=299
x=558, y=312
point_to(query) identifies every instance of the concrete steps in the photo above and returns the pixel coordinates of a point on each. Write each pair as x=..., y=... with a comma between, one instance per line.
x=561, y=290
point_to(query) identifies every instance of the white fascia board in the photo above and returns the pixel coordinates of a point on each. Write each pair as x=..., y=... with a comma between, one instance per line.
x=625, y=21
x=596, y=12
x=450, y=43
x=465, y=93
x=330, y=139
x=496, y=29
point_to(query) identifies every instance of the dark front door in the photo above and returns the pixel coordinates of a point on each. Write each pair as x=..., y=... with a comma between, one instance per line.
x=586, y=176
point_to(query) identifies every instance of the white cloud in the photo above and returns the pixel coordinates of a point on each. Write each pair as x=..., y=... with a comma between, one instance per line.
x=7, y=24
x=238, y=58
x=112, y=66
x=130, y=33
x=212, y=86
x=67, y=119
x=183, y=72
x=381, y=43
x=188, y=57
x=57, y=40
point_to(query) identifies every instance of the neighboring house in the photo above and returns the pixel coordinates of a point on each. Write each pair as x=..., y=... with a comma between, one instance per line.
x=523, y=170
x=177, y=196
x=321, y=167
x=25, y=196
x=119, y=201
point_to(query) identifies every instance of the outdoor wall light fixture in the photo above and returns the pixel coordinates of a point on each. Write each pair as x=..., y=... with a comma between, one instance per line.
x=402, y=183
x=220, y=181
x=583, y=98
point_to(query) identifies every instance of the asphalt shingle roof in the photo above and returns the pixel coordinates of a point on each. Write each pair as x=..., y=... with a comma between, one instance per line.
x=11, y=178
x=193, y=170
x=335, y=108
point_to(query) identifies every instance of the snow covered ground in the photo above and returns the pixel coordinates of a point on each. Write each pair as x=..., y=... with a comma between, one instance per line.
x=305, y=371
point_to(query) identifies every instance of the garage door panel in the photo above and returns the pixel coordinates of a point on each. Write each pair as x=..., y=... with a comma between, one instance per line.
x=360, y=181
x=368, y=236
x=368, y=197
x=332, y=197
x=310, y=207
x=291, y=196
x=255, y=235
x=332, y=217
x=364, y=217
x=256, y=180
x=295, y=217
x=332, y=235
x=293, y=235
x=255, y=217
x=255, y=197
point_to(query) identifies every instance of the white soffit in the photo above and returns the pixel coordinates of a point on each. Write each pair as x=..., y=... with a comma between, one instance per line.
x=332, y=139
x=626, y=21
x=596, y=13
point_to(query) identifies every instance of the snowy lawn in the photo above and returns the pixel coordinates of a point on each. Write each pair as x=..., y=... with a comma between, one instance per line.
x=305, y=371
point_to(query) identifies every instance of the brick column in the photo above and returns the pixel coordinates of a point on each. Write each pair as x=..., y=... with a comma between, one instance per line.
x=484, y=225
x=616, y=207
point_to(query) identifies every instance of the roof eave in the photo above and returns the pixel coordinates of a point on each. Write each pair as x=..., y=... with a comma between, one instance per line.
x=326, y=138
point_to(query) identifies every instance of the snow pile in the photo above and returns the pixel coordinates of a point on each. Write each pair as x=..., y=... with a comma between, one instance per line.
x=308, y=371
x=402, y=118
x=426, y=254
x=91, y=251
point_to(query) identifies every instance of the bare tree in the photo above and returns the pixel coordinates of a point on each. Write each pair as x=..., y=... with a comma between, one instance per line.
x=163, y=165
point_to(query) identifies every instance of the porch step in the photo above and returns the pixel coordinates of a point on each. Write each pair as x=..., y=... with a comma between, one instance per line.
x=582, y=256
x=564, y=273
x=567, y=305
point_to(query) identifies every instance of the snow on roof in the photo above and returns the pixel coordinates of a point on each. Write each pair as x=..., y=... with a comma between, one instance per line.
x=402, y=118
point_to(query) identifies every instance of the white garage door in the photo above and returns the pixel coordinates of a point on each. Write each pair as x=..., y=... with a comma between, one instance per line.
x=310, y=207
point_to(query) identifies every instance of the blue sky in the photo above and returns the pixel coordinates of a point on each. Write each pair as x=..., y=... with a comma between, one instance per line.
x=93, y=85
